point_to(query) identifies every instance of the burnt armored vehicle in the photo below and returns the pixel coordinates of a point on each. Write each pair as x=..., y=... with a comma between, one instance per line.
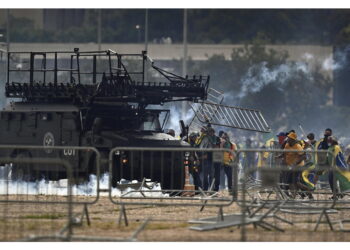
x=92, y=99
x=103, y=99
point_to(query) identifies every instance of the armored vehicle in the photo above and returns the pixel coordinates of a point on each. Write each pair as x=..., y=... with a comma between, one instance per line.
x=92, y=99
x=103, y=99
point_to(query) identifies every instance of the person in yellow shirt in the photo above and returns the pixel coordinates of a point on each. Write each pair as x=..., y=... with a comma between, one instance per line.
x=228, y=158
x=293, y=160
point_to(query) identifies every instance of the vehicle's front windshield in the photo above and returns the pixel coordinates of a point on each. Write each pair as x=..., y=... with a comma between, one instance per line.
x=150, y=122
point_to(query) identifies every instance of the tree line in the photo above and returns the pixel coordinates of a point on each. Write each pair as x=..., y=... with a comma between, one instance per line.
x=209, y=26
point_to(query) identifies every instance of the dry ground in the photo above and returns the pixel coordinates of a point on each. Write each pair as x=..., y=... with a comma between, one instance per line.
x=167, y=223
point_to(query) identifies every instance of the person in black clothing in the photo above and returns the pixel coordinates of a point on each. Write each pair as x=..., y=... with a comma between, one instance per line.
x=312, y=141
x=324, y=143
x=217, y=165
x=194, y=167
x=249, y=161
x=206, y=158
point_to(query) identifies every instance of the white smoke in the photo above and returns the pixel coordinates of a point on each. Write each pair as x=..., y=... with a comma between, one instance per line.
x=260, y=75
x=59, y=188
x=329, y=64
x=307, y=56
x=176, y=114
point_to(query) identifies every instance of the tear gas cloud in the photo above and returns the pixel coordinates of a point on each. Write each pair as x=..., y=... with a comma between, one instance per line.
x=329, y=64
x=260, y=75
x=59, y=188
x=176, y=114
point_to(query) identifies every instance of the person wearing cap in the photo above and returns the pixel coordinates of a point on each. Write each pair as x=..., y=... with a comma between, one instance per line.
x=282, y=139
x=293, y=160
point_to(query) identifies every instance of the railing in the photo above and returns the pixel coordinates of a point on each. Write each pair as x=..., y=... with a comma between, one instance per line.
x=148, y=186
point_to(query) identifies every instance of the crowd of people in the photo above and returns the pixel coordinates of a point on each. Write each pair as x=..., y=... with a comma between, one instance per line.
x=204, y=169
x=301, y=167
x=304, y=162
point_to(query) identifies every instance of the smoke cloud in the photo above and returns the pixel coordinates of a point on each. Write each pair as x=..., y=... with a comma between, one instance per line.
x=260, y=75
x=59, y=188
x=176, y=115
x=340, y=62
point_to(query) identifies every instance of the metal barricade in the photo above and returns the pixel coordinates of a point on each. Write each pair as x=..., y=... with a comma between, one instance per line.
x=24, y=218
x=157, y=183
x=43, y=199
x=161, y=177
x=273, y=196
x=52, y=181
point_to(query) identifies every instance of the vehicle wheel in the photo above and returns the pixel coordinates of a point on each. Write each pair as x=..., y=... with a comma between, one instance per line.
x=116, y=175
x=22, y=171
x=91, y=169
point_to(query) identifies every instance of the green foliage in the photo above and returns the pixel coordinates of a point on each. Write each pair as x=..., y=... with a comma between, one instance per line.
x=343, y=38
x=268, y=26
x=23, y=30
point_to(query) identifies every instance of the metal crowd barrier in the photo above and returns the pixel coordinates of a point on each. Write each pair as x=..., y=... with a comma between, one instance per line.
x=155, y=177
x=24, y=218
x=264, y=205
x=169, y=178
x=33, y=208
x=263, y=188
x=83, y=191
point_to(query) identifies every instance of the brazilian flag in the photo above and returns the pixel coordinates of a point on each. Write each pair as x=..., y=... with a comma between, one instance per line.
x=308, y=176
x=342, y=174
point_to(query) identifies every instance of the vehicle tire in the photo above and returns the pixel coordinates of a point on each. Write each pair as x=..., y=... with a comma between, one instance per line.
x=116, y=175
x=91, y=169
x=22, y=171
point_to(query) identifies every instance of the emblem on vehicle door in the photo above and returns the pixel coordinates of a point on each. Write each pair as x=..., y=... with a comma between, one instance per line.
x=49, y=141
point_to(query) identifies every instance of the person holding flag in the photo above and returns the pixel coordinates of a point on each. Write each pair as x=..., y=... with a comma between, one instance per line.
x=307, y=178
x=339, y=169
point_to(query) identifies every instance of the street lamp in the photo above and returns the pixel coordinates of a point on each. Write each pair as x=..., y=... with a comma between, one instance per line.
x=138, y=28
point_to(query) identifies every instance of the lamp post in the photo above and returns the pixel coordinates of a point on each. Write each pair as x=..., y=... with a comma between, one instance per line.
x=138, y=27
x=8, y=30
x=146, y=42
x=184, y=61
x=146, y=30
x=99, y=28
